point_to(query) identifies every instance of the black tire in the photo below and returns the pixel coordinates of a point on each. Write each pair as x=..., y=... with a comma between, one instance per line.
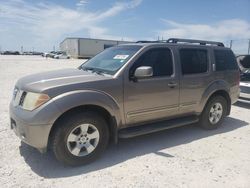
x=64, y=128
x=204, y=118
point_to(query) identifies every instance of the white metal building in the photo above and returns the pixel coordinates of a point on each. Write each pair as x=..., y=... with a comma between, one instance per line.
x=86, y=47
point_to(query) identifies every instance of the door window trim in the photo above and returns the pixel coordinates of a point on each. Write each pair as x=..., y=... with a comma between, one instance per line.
x=216, y=49
x=156, y=77
x=195, y=74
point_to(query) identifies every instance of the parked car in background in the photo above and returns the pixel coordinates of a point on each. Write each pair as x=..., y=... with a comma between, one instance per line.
x=36, y=53
x=244, y=66
x=32, y=53
x=27, y=53
x=49, y=54
x=61, y=55
x=125, y=91
x=10, y=53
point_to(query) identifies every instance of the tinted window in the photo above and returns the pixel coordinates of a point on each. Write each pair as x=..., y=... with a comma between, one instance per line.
x=159, y=59
x=193, y=61
x=225, y=60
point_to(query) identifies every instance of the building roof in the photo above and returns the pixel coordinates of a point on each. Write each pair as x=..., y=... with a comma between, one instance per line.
x=82, y=38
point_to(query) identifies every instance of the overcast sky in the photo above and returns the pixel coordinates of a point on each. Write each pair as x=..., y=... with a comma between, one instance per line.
x=41, y=24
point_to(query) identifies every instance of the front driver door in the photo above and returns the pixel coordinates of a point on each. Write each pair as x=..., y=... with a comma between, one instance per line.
x=156, y=97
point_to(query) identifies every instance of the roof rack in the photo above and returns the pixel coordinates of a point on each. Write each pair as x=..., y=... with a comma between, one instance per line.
x=201, y=42
x=177, y=40
x=147, y=41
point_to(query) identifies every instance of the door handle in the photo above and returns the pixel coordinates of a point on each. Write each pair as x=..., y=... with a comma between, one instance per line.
x=172, y=84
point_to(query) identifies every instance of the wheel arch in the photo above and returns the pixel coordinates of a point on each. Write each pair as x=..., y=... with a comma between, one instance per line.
x=217, y=87
x=223, y=93
x=111, y=121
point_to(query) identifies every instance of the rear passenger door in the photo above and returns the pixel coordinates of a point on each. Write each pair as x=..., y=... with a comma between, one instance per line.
x=195, y=77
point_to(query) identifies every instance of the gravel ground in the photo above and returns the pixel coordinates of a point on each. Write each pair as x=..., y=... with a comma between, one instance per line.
x=181, y=157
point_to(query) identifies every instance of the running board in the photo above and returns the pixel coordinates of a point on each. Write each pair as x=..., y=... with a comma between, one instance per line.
x=155, y=127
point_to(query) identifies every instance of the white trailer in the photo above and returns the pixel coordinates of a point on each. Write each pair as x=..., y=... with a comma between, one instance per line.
x=86, y=47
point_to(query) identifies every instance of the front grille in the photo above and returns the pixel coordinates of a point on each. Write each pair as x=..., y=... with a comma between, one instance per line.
x=17, y=96
x=12, y=123
x=22, y=98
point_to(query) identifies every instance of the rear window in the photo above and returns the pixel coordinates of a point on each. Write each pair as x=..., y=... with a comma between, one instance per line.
x=225, y=60
x=193, y=61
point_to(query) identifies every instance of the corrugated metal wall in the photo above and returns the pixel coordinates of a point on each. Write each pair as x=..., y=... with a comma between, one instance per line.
x=86, y=48
x=70, y=46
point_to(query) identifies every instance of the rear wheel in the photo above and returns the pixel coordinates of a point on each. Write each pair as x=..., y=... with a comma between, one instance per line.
x=80, y=138
x=214, y=113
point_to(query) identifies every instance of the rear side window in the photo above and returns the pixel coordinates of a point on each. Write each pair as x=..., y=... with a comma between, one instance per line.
x=193, y=61
x=225, y=60
x=160, y=59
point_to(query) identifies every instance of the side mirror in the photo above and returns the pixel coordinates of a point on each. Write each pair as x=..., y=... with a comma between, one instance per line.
x=143, y=72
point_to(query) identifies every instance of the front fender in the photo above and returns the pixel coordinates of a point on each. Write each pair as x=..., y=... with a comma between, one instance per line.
x=69, y=100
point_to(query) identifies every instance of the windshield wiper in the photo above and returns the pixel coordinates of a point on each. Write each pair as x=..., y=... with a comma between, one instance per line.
x=98, y=72
x=93, y=70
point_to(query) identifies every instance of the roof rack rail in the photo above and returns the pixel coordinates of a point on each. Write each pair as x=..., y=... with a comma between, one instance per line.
x=201, y=42
x=147, y=41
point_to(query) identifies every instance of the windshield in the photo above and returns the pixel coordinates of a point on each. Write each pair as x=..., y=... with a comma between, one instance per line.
x=110, y=60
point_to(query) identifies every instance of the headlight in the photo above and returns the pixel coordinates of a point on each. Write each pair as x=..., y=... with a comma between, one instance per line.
x=34, y=100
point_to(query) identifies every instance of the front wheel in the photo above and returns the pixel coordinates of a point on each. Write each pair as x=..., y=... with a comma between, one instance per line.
x=214, y=113
x=80, y=138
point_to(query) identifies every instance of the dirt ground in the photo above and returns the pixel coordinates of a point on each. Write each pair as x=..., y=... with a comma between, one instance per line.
x=180, y=157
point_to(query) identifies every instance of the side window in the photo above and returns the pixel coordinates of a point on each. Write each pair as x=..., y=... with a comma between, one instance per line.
x=160, y=59
x=193, y=61
x=225, y=60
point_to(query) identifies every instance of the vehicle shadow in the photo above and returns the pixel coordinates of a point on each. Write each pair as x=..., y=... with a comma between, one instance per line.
x=45, y=165
x=242, y=104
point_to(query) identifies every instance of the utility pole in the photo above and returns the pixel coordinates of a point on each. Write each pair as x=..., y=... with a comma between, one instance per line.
x=231, y=43
x=248, y=46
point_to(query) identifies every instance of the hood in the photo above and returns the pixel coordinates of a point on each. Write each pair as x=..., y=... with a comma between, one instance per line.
x=54, y=79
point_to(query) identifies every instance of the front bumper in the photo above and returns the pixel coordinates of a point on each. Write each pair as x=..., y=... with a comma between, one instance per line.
x=33, y=127
x=35, y=136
